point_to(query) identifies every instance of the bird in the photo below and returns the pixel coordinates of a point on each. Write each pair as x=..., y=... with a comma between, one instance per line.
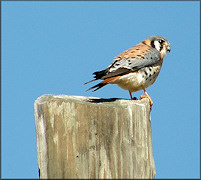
x=136, y=68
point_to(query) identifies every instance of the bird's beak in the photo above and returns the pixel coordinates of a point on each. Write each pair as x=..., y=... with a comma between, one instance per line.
x=168, y=48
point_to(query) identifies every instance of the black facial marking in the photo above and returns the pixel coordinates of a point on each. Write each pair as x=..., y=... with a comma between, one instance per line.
x=161, y=43
x=152, y=44
x=146, y=73
x=161, y=47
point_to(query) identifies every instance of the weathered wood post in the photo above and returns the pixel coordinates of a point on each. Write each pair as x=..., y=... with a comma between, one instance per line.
x=80, y=137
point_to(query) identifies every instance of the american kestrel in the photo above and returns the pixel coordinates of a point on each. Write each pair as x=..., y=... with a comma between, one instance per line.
x=136, y=68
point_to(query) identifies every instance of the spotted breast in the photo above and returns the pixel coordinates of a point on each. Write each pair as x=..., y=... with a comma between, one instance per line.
x=140, y=79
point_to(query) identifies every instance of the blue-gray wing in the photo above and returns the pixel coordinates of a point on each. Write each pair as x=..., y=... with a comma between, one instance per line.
x=131, y=63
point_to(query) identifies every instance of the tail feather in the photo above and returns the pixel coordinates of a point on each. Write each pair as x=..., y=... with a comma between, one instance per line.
x=97, y=75
x=90, y=81
x=98, y=86
x=103, y=83
x=100, y=74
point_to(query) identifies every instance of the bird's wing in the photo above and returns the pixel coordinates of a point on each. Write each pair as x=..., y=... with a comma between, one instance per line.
x=131, y=60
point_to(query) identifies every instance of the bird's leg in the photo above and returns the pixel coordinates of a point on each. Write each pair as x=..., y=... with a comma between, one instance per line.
x=130, y=95
x=147, y=96
x=132, y=98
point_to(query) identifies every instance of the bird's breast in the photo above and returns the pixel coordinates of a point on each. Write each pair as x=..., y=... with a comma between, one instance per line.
x=138, y=80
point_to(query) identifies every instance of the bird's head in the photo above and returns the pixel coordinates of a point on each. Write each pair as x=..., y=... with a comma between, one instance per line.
x=159, y=43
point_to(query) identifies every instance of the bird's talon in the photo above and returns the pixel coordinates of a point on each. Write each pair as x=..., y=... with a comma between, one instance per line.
x=150, y=101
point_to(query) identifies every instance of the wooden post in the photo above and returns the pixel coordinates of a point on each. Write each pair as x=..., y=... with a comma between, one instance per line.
x=85, y=137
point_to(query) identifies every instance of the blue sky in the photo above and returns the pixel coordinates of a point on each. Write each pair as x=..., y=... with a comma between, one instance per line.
x=54, y=47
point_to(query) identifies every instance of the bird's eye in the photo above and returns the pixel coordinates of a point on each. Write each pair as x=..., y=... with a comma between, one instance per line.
x=161, y=41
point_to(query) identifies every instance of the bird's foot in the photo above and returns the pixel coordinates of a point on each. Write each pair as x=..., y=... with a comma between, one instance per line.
x=147, y=96
x=132, y=98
